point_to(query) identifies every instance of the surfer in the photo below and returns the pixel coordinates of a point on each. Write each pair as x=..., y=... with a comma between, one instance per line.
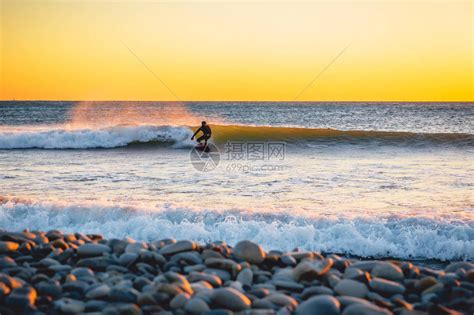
x=206, y=130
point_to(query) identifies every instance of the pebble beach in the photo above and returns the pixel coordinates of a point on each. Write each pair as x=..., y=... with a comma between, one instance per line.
x=59, y=273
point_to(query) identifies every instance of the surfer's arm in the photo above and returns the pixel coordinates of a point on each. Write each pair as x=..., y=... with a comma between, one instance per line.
x=199, y=129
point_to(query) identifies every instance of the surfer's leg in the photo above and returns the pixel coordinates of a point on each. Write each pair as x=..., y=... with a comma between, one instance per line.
x=201, y=138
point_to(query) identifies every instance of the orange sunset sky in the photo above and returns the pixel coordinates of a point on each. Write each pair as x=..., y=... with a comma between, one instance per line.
x=269, y=50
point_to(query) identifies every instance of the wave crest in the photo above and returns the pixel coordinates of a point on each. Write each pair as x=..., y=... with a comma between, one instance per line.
x=380, y=236
x=113, y=137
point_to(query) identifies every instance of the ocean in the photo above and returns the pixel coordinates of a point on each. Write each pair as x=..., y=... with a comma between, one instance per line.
x=364, y=179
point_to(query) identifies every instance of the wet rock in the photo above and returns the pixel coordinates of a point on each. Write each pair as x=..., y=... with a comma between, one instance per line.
x=136, y=248
x=96, y=263
x=282, y=300
x=196, y=306
x=289, y=285
x=127, y=259
x=319, y=305
x=310, y=270
x=351, y=288
x=4, y=290
x=67, y=305
x=366, y=265
x=95, y=306
x=230, y=299
x=190, y=258
x=249, y=251
x=425, y=282
x=21, y=297
x=7, y=262
x=179, y=301
x=245, y=277
x=222, y=274
x=122, y=309
x=123, y=295
x=288, y=260
x=11, y=282
x=49, y=288
x=366, y=309
x=54, y=235
x=386, y=287
x=387, y=270
x=317, y=290
x=222, y=263
x=178, y=247
x=455, y=266
x=98, y=292
x=82, y=272
x=8, y=247
x=92, y=250
x=349, y=300
x=214, y=280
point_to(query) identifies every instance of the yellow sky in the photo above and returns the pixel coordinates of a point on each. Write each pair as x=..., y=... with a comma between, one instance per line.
x=76, y=50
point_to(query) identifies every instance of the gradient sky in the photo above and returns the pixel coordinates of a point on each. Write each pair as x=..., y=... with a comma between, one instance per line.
x=75, y=50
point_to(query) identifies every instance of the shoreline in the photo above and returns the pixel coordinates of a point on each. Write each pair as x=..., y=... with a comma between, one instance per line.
x=60, y=273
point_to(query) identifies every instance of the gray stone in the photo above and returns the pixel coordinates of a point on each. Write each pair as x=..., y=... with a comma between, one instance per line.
x=222, y=274
x=214, y=280
x=351, y=288
x=136, y=247
x=196, y=306
x=4, y=290
x=92, y=250
x=230, y=299
x=387, y=271
x=311, y=270
x=8, y=247
x=67, y=305
x=366, y=309
x=187, y=258
x=319, y=305
x=453, y=267
x=49, y=288
x=316, y=290
x=178, y=247
x=288, y=260
x=365, y=265
x=95, y=306
x=7, y=262
x=81, y=272
x=282, y=300
x=122, y=308
x=245, y=277
x=11, y=282
x=127, y=259
x=98, y=292
x=289, y=285
x=21, y=297
x=179, y=301
x=249, y=251
x=349, y=300
x=121, y=294
x=386, y=287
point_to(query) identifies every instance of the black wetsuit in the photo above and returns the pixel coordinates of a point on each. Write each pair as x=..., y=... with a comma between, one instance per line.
x=206, y=130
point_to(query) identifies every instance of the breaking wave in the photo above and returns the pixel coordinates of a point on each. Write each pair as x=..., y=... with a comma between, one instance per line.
x=113, y=137
x=179, y=136
x=412, y=237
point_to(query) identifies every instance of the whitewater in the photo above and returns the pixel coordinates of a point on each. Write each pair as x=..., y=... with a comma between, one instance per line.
x=371, y=180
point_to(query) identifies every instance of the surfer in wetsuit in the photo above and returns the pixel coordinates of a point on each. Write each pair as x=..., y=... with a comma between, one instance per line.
x=206, y=130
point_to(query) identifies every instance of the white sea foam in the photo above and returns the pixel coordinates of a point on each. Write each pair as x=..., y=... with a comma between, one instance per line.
x=118, y=136
x=395, y=236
